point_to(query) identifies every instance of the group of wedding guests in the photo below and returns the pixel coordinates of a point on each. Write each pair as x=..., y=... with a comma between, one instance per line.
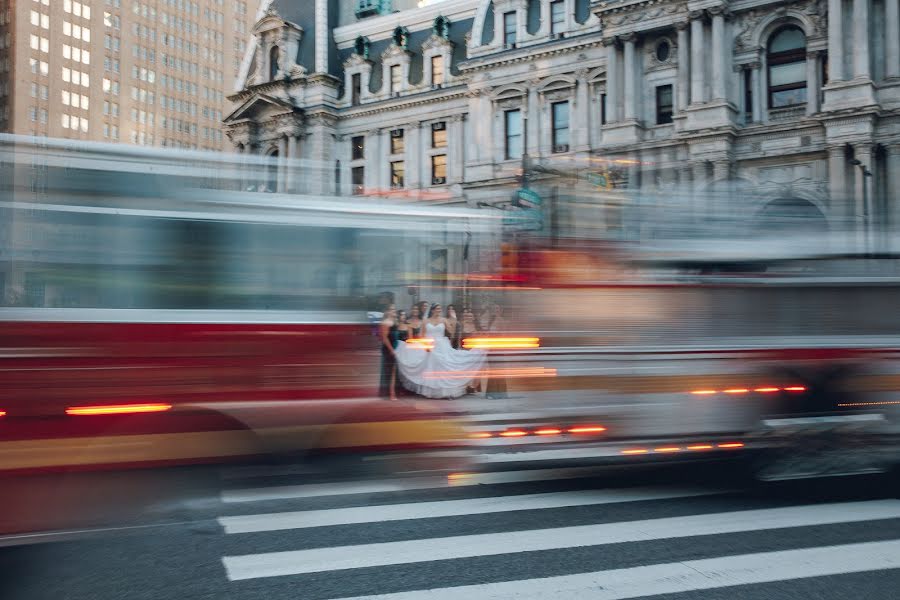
x=440, y=368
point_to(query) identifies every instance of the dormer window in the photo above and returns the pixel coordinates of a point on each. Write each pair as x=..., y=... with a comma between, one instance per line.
x=437, y=70
x=396, y=80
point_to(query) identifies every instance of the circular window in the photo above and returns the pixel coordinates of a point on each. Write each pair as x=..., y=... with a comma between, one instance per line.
x=662, y=51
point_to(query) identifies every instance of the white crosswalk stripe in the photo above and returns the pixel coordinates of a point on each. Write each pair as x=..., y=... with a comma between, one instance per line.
x=295, y=562
x=670, y=578
x=446, y=508
x=307, y=510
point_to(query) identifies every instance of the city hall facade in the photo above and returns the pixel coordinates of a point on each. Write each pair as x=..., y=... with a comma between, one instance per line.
x=736, y=108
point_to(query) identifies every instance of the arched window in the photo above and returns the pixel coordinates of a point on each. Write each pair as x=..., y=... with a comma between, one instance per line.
x=273, y=62
x=441, y=27
x=786, y=58
x=361, y=47
x=401, y=37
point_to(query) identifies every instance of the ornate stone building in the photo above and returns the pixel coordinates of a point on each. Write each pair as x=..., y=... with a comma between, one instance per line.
x=776, y=106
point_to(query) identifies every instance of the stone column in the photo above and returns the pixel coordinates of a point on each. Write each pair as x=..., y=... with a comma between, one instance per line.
x=582, y=113
x=683, y=97
x=282, y=164
x=323, y=34
x=861, y=68
x=813, y=85
x=721, y=170
x=837, y=182
x=455, y=155
x=293, y=154
x=698, y=179
x=414, y=155
x=630, y=74
x=698, y=56
x=612, y=82
x=892, y=202
x=892, y=38
x=756, y=96
x=374, y=156
x=835, y=40
x=532, y=120
x=384, y=164
x=864, y=192
x=719, y=54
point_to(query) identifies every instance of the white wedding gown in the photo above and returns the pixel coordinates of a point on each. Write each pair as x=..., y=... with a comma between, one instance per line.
x=443, y=372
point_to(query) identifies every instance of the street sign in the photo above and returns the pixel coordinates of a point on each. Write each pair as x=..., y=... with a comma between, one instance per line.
x=527, y=198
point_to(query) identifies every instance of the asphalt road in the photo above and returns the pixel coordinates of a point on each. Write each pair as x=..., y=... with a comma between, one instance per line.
x=677, y=533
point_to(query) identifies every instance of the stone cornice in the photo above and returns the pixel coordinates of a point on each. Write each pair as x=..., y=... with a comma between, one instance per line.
x=265, y=88
x=403, y=102
x=531, y=53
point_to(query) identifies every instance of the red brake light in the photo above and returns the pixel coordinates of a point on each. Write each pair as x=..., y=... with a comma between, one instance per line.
x=118, y=409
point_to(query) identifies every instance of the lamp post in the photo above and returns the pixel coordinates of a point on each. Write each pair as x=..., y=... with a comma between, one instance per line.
x=865, y=199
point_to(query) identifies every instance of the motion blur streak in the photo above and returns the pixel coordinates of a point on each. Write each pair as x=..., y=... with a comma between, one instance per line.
x=587, y=429
x=119, y=409
x=636, y=451
x=851, y=404
x=548, y=431
x=501, y=343
x=737, y=391
x=700, y=447
x=668, y=449
x=766, y=390
x=489, y=373
x=732, y=445
x=421, y=343
x=2, y=413
x=703, y=392
x=513, y=433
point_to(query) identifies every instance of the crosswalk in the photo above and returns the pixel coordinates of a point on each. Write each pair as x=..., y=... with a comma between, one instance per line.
x=518, y=535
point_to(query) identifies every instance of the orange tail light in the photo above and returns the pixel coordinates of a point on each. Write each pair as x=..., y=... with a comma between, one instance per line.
x=118, y=409
x=421, y=343
x=501, y=343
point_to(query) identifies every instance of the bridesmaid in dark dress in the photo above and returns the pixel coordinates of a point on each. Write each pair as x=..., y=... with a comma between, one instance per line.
x=388, y=331
x=415, y=321
x=403, y=332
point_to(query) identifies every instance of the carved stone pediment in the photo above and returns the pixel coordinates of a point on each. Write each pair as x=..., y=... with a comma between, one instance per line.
x=395, y=51
x=355, y=60
x=436, y=41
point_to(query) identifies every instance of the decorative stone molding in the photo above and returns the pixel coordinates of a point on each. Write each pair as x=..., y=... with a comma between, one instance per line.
x=274, y=32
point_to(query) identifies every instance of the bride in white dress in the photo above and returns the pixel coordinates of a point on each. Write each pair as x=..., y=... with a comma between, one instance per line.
x=442, y=372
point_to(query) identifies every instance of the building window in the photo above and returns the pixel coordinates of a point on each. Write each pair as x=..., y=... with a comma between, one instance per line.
x=439, y=135
x=560, y=117
x=273, y=63
x=358, y=143
x=513, y=133
x=557, y=17
x=439, y=169
x=355, y=88
x=397, y=172
x=358, y=176
x=603, y=109
x=748, y=96
x=395, y=79
x=663, y=50
x=786, y=59
x=664, y=104
x=437, y=70
x=509, y=28
x=398, y=144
